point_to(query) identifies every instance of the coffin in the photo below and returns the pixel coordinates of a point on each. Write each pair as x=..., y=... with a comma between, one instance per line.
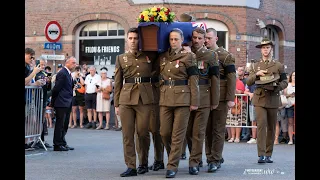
x=154, y=36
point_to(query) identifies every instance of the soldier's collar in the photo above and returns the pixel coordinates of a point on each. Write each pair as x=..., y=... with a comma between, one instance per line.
x=136, y=54
x=194, y=50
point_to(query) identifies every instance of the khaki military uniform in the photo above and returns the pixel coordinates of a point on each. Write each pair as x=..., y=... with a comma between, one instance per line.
x=216, y=125
x=178, y=91
x=208, y=68
x=134, y=97
x=154, y=126
x=266, y=101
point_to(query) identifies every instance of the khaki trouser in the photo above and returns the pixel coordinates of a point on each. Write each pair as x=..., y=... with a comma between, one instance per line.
x=135, y=116
x=195, y=134
x=266, y=124
x=154, y=128
x=215, y=132
x=173, y=128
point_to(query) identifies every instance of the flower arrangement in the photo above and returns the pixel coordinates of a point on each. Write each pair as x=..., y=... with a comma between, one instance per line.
x=156, y=14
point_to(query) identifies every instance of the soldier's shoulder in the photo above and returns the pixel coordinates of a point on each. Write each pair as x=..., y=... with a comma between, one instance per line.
x=121, y=55
x=221, y=50
x=277, y=62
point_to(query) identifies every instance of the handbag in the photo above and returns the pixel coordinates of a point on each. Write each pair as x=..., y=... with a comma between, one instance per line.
x=106, y=91
x=81, y=89
x=283, y=100
x=236, y=109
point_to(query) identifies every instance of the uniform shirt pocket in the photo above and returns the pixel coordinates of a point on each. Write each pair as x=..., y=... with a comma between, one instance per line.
x=182, y=95
x=125, y=94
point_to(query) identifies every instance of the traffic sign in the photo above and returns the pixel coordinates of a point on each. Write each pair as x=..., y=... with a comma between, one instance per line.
x=54, y=46
x=53, y=31
x=53, y=57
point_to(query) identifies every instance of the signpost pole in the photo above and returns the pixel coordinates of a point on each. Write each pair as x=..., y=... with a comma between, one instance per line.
x=54, y=61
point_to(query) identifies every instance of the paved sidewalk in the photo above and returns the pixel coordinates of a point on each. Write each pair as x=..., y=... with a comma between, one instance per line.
x=98, y=155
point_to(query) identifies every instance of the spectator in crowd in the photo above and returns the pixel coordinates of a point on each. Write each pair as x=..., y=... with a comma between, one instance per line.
x=289, y=92
x=235, y=131
x=85, y=70
x=49, y=113
x=45, y=87
x=252, y=113
x=283, y=120
x=29, y=73
x=103, y=105
x=245, y=134
x=78, y=98
x=90, y=97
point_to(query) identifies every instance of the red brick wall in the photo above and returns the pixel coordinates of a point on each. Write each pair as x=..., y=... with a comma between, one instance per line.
x=239, y=20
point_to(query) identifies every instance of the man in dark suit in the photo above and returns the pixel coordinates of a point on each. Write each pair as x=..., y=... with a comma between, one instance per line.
x=61, y=101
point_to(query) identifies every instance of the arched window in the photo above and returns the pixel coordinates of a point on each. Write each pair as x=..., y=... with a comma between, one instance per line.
x=98, y=43
x=272, y=34
x=222, y=31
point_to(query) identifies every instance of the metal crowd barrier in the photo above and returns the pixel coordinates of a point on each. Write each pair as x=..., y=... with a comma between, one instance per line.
x=238, y=115
x=34, y=113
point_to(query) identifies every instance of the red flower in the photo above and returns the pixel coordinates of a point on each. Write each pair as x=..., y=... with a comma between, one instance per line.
x=151, y=18
x=142, y=17
x=168, y=9
x=167, y=13
x=158, y=9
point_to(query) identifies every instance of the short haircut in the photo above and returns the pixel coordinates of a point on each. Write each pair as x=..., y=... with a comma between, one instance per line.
x=133, y=30
x=68, y=58
x=29, y=51
x=211, y=30
x=200, y=31
x=177, y=30
x=48, y=67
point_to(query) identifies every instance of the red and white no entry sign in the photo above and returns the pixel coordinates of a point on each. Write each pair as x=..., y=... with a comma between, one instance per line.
x=53, y=31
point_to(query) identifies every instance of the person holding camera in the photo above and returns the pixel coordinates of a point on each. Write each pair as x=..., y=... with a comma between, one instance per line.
x=78, y=98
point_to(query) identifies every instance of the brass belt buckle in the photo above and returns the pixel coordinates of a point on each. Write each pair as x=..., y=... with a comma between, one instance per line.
x=137, y=80
x=171, y=83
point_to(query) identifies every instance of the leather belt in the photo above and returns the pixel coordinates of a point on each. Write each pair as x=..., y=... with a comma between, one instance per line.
x=175, y=82
x=203, y=81
x=138, y=80
x=154, y=79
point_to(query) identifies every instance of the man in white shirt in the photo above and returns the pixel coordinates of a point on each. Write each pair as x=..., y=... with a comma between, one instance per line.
x=91, y=82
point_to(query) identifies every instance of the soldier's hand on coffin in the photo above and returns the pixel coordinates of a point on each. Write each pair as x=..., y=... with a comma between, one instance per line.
x=230, y=104
x=193, y=108
x=261, y=73
x=186, y=48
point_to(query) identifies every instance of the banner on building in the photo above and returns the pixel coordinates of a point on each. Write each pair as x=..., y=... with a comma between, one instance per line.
x=100, y=51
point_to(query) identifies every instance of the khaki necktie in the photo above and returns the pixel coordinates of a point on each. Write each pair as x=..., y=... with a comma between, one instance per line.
x=266, y=62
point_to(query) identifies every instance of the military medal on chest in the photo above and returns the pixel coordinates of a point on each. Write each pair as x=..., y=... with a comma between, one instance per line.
x=200, y=64
x=177, y=65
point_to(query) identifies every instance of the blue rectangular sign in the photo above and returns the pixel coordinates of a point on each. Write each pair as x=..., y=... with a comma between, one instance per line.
x=53, y=46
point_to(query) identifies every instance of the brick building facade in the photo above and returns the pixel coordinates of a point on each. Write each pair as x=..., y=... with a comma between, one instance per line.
x=238, y=20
